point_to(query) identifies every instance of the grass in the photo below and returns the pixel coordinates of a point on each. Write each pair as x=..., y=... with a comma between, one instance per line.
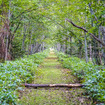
x=51, y=72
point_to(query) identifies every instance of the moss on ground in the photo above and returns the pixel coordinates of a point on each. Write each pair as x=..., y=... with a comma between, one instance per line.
x=51, y=72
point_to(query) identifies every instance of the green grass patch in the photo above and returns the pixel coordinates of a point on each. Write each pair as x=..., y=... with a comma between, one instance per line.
x=51, y=72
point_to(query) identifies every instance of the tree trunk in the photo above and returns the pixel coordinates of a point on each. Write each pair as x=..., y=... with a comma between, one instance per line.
x=4, y=32
x=90, y=51
x=80, y=55
x=30, y=45
x=43, y=46
x=71, y=45
x=66, y=45
x=7, y=36
x=24, y=37
x=86, y=51
x=103, y=33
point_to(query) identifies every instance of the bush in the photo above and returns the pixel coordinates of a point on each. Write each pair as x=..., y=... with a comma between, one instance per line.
x=93, y=76
x=14, y=73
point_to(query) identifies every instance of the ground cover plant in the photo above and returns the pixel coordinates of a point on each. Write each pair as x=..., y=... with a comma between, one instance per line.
x=52, y=72
x=14, y=73
x=92, y=76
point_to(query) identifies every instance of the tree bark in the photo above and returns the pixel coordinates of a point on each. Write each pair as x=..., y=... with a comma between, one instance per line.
x=71, y=45
x=24, y=38
x=7, y=36
x=4, y=32
x=90, y=51
x=37, y=48
x=86, y=50
x=103, y=34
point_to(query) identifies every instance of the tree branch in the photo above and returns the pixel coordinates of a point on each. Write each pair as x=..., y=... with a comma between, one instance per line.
x=16, y=27
x=54, y=85
x=85, y=30
x=59, y=25
x=76, y=25
x=25, y=11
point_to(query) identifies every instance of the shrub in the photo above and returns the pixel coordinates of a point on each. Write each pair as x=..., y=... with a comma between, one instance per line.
x=93, y=76
x=14, y=73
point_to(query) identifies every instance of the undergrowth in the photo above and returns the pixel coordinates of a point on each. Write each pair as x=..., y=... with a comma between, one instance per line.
x=92, y=76
x=15, y=73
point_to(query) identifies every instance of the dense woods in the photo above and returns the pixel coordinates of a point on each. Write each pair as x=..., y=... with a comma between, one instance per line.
x=74, y=27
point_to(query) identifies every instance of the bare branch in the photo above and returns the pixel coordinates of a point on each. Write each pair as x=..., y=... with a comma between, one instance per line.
x=54, y=85
x=97, y=39
x=76, y=25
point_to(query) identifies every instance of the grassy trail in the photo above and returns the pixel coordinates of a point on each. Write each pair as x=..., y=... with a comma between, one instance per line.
x=51, y=72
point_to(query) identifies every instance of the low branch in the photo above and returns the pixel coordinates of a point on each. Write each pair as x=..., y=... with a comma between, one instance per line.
x=85, y=30
x=54, y=85
x=76, y=25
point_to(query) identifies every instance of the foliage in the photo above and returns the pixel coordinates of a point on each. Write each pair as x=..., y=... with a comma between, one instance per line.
x=14, y=73
x=41, y=22
x=38, y=24
x=93, y=76
x=61, y=55
x=16, y=50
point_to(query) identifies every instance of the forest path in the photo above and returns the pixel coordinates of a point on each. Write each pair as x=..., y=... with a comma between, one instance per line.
x=51, y=72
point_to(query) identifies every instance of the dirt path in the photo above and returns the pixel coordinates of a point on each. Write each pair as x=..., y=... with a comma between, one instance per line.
x=51, y=72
